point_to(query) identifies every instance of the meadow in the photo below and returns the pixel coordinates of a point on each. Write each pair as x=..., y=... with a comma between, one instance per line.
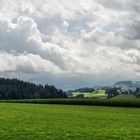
x=94, y=94
x=42, y=121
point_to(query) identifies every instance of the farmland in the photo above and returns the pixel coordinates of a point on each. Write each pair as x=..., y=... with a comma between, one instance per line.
x=42, y=121
x=95, y=94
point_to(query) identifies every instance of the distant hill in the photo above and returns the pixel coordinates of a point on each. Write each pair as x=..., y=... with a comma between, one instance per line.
x=79, y=90
x=17, y=89
x=86, y=89
x=128, y=84
x=124, y=96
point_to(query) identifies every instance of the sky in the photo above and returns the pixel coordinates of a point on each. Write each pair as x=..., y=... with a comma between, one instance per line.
x=70, y=43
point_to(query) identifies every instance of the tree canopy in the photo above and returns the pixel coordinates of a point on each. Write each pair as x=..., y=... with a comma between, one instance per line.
x=17, y=89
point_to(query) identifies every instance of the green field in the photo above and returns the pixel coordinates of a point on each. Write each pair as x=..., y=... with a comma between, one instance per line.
x=96, y=94
x=48, y=122
x=123, y=96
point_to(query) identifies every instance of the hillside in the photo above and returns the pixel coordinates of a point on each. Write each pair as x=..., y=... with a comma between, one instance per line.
x=123, y=96
x=17, y=89
x=127, y=84
x=93, y=94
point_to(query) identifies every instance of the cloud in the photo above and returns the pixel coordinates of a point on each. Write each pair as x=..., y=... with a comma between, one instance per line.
x=77, y=39
x=25, y=63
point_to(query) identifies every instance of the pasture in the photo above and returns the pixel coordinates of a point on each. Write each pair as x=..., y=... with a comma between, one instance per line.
x=95, y=94
x=43, y=121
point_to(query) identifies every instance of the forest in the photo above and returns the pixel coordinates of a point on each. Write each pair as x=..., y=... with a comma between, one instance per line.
x=18, y=89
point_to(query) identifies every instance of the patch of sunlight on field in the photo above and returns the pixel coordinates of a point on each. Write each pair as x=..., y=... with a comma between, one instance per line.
x=98, y=94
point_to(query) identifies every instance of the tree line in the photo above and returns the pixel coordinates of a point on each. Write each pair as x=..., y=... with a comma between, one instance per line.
x=111, y=92
x=18, y=89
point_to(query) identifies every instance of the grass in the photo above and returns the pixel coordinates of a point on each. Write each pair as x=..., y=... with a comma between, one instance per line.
x=96, y=94
x=68, y=122
x=123, y=96
x=74, y=94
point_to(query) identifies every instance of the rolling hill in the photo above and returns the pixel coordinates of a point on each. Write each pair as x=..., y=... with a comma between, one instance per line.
x=128, y=84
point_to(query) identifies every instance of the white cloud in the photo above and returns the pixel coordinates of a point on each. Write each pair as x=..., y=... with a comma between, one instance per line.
x=90, y=38
x=25, y=63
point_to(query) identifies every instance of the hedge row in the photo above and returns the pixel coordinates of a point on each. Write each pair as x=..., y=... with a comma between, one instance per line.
x=95, y=102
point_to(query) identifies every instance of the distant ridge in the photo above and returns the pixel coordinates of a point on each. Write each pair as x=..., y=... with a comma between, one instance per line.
x=127, y=84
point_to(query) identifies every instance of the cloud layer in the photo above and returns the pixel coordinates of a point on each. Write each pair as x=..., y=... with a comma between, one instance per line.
x=68, y=42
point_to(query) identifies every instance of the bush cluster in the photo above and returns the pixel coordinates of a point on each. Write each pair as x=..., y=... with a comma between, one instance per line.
x=70, y=101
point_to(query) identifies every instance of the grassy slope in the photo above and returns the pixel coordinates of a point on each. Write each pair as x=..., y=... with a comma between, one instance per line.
x=100, y=94
x=122, y=96
x=36, y=121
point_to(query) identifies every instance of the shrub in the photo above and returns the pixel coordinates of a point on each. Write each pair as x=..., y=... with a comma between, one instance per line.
x=74, y=101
